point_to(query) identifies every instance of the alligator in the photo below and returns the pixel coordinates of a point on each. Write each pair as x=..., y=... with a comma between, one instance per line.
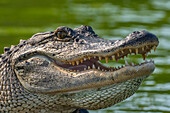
x=64, y=71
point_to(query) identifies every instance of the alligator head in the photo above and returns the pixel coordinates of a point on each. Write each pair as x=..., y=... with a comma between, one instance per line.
x=66, y=62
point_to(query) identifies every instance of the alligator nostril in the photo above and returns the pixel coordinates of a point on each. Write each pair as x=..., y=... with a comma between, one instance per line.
x=136, y=32
x=77, y=39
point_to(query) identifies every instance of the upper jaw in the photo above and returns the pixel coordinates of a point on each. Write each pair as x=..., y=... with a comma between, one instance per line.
x=138, y=43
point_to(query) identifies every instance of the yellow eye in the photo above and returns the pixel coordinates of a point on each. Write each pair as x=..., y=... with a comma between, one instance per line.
x=61, y=34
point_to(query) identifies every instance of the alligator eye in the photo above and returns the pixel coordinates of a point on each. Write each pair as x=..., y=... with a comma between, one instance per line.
x=61, y=34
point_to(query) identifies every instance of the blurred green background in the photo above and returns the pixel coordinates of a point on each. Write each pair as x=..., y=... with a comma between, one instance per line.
x=111, y=19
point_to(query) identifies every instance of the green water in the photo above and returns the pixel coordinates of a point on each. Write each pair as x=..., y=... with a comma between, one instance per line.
x=111, y=19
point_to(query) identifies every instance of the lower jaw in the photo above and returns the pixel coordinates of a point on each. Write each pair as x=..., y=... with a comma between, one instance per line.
x=122, y=75
x=107, y=96
x=95, y=79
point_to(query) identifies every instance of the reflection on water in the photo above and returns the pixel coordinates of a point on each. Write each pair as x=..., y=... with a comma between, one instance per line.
x=112, y=20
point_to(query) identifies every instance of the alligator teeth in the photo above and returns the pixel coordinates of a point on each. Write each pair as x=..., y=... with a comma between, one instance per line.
x=113, y=57
x=146, y=54
x=100, y=58
x=81, y=60
x=73, y=63
x=126, y=63
x=106, y=58
x=154, y=48
x=98, y=68
x=93, y=66
x=118, y=54
x=130, y=50
x=142, y=48
x=85, y=59
x=136, y=50
x=77, y=62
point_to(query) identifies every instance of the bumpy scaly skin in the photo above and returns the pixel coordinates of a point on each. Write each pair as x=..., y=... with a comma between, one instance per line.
x=38, y=74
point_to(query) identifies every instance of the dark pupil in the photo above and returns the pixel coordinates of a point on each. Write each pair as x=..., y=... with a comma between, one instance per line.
x=61, y=34
x=77, y=39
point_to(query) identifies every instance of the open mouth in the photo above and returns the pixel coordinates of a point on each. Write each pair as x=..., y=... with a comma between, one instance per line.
x=93, y=61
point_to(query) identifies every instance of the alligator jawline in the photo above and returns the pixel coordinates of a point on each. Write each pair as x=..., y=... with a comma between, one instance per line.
x=93, y=61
